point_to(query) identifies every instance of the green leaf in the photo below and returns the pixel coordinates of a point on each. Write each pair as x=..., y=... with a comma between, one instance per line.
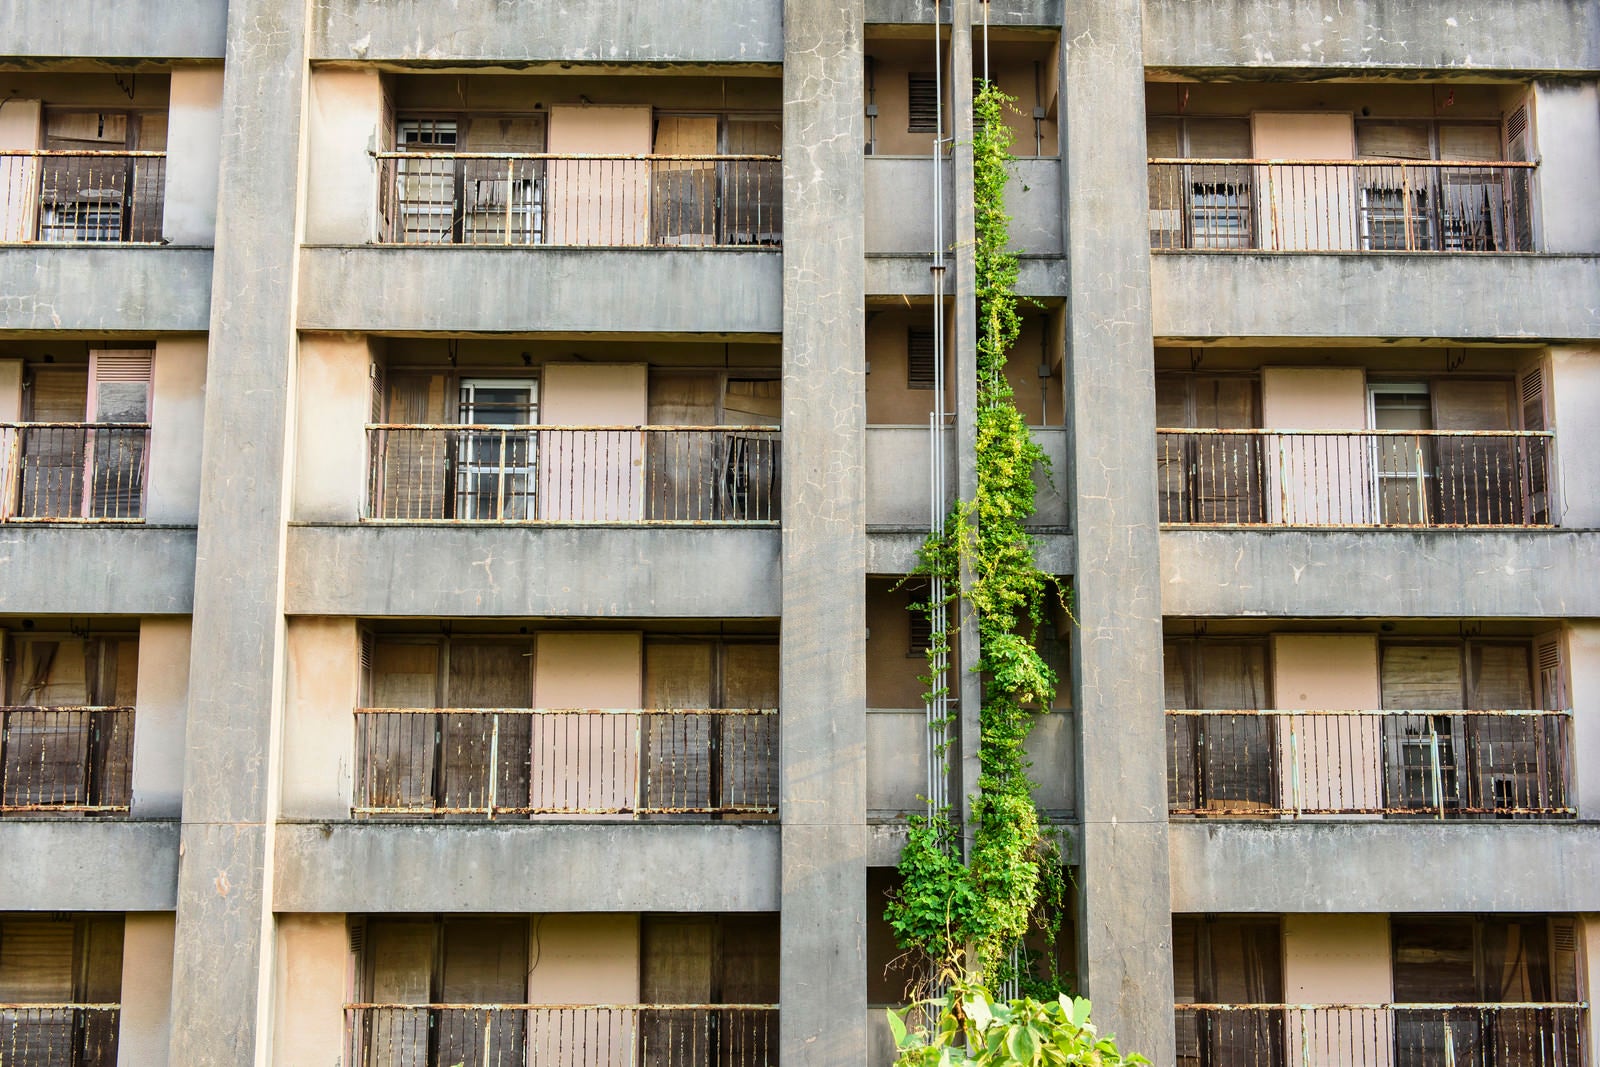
x=897, y=1026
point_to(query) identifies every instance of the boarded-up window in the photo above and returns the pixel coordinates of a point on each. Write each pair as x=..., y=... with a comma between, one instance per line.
x=1209, y=478
x=59, y=961
x=1228, y=961
x=64, y=755
x=1219, y=762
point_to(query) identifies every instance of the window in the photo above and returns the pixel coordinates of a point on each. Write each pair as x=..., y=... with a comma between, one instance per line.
x=922, y=102
x=1216, y=478
x=53, y=971
x=1200, y=205
x=1220, y=763
x=86, y=197
x=495, y=470
x=1225, y=960
x=1450, y=209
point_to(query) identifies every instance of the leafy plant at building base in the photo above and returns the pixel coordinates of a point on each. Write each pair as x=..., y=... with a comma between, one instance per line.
x=972, y=1028
x=968, y=917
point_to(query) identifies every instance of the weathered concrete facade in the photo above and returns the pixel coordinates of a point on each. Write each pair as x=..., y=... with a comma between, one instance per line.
x=286, y=327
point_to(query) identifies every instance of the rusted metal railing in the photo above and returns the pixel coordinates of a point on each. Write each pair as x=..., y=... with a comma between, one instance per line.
x=543, y=198
x=1382, y=1035
x=1443, y=764
x=59, y=1035
x=1256, y=477
x=499, y=762
x=571, y=1035
x=73, y=470
x=77, y=759
x=1368, y=205
x=573, y=474
x=70, y=196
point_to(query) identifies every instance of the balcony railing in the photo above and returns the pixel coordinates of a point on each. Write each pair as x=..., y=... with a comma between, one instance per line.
x=59, y=1035
x=519, y=761
x=1381, y=1035
x=522, y=1035
x=66, y=760
x=1250, y=477
x=1442, y=764
x=101, y=197
x=573, y=474
x=74, y=471
x=1341, y=205
x=542, y=198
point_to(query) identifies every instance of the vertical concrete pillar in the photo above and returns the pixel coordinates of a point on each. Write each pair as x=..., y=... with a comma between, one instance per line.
x=1125, y=924
x=222, y=974
x=145, y=1025
x=158, y=729
x=822, y=702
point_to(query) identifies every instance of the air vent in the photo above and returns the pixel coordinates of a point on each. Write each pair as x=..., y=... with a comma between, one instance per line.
x=922, y=103
x=919, y=359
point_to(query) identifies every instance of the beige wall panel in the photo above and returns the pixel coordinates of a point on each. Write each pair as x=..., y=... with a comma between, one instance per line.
x=334, y=393
x=599, y=202
x=343, y=119
x=597, y=475
x=1583, y=672
x=10, y=390
x=585, y=959
x=583, y=670
x=1310, y=207
x=1335, y=959
x=1318, y=480
x=194, y=146
x=1574, y=401
x=1328, y=762
x=160, y=713
x=311, y=979
x=177, y=413
x=146, y=1021
x=20, y=122
x=324, y=677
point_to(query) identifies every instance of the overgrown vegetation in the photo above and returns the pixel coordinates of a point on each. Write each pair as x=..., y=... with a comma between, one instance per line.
x=974, y=1029
x=968, y=917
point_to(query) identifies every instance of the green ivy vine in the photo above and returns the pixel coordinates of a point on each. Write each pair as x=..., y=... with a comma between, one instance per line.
x=968, y=917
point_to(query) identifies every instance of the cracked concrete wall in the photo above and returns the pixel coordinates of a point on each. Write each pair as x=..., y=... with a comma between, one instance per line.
x=823, y=676
x=106, y=290
x=591, y=31
x=98, y=570
x=83, y=865
x=222, y=1000
x=164, y=29
x=1373, y=35
x=1124, y=927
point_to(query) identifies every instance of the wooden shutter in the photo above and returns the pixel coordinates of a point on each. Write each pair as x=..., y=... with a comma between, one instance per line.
x=1217, y=138
x=119, y=392
x=1564, y=960
x=922, y=103
x=748, y=744
x=416, y=463
x=398, y=753
x=1421, y=677
x=919, y=358
x=1469, y=141
x=1471, y=404
x=1533, y=409
x=399, y=961
x=485, y=962
x=36, y=961
x=1500, y=677
x=1393, y=140
x=677, y=960
x=676, y=767
x=486, y=675
x=1518, y=134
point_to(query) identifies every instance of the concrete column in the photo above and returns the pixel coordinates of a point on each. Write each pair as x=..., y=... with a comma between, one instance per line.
x=194, y=132
x=1125, y=950
x=145, y=1026
x=822, y=702
x=159, y=716
x=177, y=412
x=222, y=974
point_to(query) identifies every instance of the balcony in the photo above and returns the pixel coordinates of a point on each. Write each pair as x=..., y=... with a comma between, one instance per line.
x=56, y=760
x=587, y=200
x=73, y=471
x=59, y=1035
x=74, y=197
x=650, y=475
x=526, y=762
x=1355, y=478
x=1362, y=205
x=1381, y=1035
x=510, y=1035
x=1436, y=764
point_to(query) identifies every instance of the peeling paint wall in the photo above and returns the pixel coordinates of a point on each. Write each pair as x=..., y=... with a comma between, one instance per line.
x=323, y=689
x=163, y=703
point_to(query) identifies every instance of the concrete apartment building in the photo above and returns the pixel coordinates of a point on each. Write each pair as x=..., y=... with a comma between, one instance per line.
x=458, y=459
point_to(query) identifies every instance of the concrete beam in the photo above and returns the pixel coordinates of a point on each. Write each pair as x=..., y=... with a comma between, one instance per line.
x=88, y=865
x=1334, y=38
x=518, y=290
x=1040, y=277
x=1372, y=866
x=1399, y=296
x=822, y=781
x=608, y=571
x=1124, y=926
x=128, y=29
x=524, y=867
x=1380, y=573
x=1043, y=14
x=595, y=31
x=104, y=290
x=97, y=570
x=893, y=551
x=899, y=189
